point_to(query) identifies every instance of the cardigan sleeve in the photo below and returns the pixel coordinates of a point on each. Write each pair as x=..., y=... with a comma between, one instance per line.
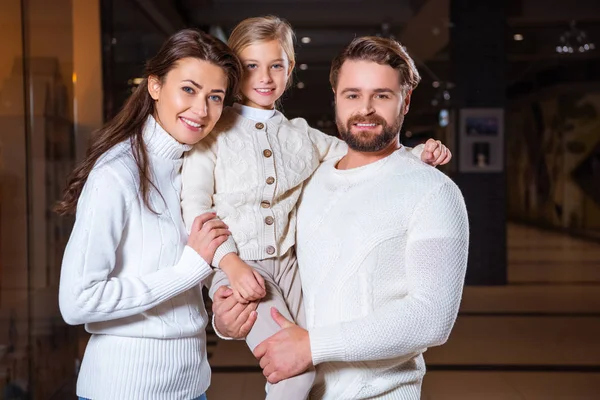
x=88, y=293
x=436, y=260
x=327, y=146
x=198, y=188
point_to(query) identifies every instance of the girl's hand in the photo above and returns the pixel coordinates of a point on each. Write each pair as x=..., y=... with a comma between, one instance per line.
x=435, y=153
x=247, y=284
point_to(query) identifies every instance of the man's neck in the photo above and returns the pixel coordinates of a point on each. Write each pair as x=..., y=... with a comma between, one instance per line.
x=355, y=159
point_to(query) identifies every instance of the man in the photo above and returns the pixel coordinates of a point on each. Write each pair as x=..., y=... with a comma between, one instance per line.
x=382, y=244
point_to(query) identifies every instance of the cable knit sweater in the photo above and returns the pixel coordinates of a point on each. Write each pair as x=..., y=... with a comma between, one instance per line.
x=252, y=173
x=129, y=276
x=382, y=251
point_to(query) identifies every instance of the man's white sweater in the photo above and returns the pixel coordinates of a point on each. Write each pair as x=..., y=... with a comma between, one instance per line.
x=382, y=252
x=128, y=275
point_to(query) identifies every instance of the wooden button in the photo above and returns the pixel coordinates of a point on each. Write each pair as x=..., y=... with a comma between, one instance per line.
x=267, y=153
x=270, y=250
x=270, y=180
x=269, y=220
x=259, y=125
x=265, y=204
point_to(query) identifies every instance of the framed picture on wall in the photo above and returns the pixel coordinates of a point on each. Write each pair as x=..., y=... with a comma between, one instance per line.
x=481, y=140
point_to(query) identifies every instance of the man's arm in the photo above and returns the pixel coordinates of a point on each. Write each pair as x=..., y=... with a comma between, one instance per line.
x=436, y=261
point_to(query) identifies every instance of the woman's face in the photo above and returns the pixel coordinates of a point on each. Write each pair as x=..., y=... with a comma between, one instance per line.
x=266, y=73
x=189, y=100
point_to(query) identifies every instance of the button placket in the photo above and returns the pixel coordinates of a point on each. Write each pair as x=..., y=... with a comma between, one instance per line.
x=268, y=192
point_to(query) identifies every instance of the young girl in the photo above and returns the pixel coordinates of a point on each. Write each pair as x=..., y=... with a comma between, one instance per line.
x=259, y=161
x=127, y=273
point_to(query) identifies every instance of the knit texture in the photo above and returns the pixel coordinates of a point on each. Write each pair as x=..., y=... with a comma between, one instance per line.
x=382, y=252
x=127, y=273
x=258, y=171
x=240, y=155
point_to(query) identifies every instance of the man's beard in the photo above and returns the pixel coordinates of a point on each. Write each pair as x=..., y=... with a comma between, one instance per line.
x=368, y=142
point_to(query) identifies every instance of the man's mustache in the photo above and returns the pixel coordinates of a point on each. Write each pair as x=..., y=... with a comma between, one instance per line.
x=367, y=119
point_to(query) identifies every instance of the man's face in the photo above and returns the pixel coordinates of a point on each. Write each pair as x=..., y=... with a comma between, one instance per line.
x=370, y=105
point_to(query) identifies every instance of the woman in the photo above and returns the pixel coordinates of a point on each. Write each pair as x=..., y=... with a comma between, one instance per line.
x=130, y=273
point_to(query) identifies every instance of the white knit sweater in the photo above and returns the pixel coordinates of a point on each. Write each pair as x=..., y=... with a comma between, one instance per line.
x=258, y=170
x=382, y=252
x=129, y=276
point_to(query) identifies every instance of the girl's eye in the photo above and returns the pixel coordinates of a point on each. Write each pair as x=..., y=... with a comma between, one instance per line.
x=216, y=99
x=251, y=66
x=188, y=89
x=277, y=66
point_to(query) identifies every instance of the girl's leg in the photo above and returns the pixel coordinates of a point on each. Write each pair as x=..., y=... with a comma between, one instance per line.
x=284, y=292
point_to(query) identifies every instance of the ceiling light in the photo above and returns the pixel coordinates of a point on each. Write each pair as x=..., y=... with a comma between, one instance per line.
x=574, y=40
x=300, y=85
x=305, y=40
x=518, y=37
x=303, y=67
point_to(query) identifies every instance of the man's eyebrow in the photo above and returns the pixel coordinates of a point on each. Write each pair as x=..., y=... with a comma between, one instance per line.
x=383, y=90
x=350, y=90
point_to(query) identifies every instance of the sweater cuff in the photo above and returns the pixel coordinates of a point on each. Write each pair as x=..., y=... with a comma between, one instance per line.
x=219, y=334
x=191, y=259
x=327, y=344
x=417, y=150
x=227, y=247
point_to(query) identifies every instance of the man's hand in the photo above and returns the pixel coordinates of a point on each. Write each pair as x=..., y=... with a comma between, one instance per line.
x=435, y=153
x=285, y=354
x=232, y=319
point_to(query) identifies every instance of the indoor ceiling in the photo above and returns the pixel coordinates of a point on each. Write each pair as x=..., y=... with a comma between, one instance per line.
x=423, y=26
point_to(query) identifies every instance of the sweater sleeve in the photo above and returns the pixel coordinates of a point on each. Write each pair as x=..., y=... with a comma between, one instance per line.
x=88, y=293
x=436, y=260
x=198, y=188
x=327, y=146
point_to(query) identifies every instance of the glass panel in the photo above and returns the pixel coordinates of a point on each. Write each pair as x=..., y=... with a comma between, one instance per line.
x=14, y=305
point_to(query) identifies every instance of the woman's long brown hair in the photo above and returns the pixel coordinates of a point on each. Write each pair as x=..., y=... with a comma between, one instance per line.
x=128, y=124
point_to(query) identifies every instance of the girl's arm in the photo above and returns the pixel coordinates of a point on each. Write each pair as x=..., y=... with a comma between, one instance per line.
x=198, y=188
x=88, y=292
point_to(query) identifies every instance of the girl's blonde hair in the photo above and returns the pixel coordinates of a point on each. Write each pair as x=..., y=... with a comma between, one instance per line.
x=264, y=29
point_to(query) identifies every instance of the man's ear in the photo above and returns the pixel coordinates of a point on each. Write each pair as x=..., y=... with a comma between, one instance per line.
x=154, y=86
x=406, y=102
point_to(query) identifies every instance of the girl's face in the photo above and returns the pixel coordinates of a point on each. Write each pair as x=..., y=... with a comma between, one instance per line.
x=266, y=73
x=189, y=100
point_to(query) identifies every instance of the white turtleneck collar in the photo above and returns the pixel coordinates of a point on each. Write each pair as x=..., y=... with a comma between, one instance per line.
x=161, y=143
x=255, y=114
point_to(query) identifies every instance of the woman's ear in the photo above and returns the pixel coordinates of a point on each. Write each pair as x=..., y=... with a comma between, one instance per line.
x=154, y=86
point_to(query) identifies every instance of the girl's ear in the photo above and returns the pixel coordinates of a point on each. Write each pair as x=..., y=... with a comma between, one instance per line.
x=291, y=69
